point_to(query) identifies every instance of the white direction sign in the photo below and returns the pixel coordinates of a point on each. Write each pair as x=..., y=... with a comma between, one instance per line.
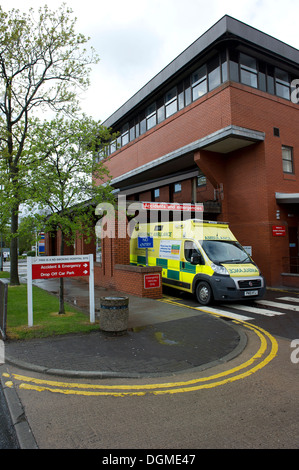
x=53, y=267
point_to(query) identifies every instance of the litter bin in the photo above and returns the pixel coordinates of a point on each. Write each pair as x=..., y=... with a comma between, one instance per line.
x=114, y=314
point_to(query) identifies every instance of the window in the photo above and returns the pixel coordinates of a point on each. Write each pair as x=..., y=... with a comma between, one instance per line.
x=137, y=133
x=214, y=76
x=181, y=100
x=201, y=180
x=270, y=79
x=142, y=124
x=282, y=83
x=151, y=116
x=160, y=110
x=199, y=83
x=171, y=102
x=188, y=98
x=248, y=70
x=287, y=159
x=224, y=66
x=98, y=244
x=125, y=135
x=118, y=142
x=262, y=76
x=132, y=131
x=190, y=248
x=177, y=187
x=233, y=66
x=156, y=193
x=113, y=146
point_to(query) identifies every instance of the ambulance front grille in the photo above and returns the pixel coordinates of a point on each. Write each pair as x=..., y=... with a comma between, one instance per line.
x=250, y=283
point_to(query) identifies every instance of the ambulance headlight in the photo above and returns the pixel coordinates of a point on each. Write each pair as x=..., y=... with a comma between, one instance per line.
x=220, y=269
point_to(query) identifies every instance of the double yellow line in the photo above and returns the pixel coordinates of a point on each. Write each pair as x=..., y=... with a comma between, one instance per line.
x=267, y=350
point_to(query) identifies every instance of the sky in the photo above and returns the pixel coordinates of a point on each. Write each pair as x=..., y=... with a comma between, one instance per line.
x=135, y=39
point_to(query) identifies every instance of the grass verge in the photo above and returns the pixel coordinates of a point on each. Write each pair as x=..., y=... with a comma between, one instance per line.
x=46, y=320
x=4, y=275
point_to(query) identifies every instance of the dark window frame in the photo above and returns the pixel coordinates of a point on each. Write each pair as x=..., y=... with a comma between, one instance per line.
x=288, y=161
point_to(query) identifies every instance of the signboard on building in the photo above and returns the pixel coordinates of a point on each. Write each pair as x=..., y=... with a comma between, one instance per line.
x=41, y=243
x=53, y=267
x=171, y=206
x=151, y=281
x=278, y=231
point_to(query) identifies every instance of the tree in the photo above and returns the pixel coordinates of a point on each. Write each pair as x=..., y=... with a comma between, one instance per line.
x=43, y=65
x=70, y=182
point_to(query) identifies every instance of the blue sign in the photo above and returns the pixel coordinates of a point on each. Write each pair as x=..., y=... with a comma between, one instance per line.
x=145, y=242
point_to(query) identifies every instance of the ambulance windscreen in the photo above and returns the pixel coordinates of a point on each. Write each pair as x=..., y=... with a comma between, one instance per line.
x=221, y=252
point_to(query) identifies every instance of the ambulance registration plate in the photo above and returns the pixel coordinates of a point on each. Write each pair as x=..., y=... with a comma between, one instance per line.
x=249, y=293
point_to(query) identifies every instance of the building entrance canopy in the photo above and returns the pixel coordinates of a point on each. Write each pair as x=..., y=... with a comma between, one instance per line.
x=287, y=198
x=223, y=141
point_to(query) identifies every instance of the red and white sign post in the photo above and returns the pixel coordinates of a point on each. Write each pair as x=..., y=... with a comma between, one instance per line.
x=53, y=267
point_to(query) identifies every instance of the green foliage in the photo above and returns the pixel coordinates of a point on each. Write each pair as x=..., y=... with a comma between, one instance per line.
x=70, y=183
x=43, y=66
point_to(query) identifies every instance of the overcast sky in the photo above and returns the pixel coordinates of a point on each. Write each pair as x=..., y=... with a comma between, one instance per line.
x=135, y=39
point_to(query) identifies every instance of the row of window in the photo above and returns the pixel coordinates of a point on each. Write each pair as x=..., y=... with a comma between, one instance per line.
x=226, y=65
x=258, y=74
x=201, y=180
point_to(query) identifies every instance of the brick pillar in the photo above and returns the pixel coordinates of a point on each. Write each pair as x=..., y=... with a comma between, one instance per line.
x=213, y=165
x=121, y=243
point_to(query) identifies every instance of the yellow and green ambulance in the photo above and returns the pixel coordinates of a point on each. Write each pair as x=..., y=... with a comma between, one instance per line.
x=200, y=257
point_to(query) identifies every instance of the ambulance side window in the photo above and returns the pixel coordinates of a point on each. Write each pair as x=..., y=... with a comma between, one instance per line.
x=190, y=248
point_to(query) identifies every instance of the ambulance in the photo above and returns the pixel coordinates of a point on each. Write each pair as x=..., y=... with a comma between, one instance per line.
x=200, y=257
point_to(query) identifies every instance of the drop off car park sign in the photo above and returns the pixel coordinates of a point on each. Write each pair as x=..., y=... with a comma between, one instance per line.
x=50, y=270
x=53, y=267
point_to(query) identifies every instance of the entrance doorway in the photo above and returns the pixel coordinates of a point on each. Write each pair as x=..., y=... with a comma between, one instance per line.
x=294, y=249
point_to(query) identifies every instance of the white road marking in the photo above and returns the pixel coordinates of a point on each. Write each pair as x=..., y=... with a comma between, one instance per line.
x=289, y=299
x=258, y=311
x=269, y=303
x=224, y=313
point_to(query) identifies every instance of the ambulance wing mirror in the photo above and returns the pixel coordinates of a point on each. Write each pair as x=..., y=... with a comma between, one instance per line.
x=196, y=258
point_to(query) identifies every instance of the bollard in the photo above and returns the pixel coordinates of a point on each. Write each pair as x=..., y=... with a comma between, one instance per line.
x=114, y=314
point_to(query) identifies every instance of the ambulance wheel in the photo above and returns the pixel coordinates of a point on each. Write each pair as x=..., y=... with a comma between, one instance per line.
x=203, y=293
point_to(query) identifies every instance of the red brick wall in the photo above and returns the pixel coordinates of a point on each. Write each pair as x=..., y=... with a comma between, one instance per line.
x=204, y=116
x=250, y=176
x=130, y=279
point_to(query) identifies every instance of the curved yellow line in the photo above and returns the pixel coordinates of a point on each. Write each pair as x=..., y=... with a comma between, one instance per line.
x=53, y=383
x=154, y=388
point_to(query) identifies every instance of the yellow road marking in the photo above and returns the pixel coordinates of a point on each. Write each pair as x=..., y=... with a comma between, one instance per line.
x=68, y=388
x=258, y=355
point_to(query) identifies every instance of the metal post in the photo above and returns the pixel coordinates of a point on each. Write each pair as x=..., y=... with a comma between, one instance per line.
x=91, y=290
x=29, y=291
x=1, y=254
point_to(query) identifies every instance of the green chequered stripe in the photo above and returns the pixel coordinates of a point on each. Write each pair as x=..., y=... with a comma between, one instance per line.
x=173, y=274
x=162, y=262
x=159, y=261
x=141, y=260
x=188, y=268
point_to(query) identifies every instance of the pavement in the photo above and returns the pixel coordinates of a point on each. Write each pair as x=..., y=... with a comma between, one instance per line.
x=161, y=339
